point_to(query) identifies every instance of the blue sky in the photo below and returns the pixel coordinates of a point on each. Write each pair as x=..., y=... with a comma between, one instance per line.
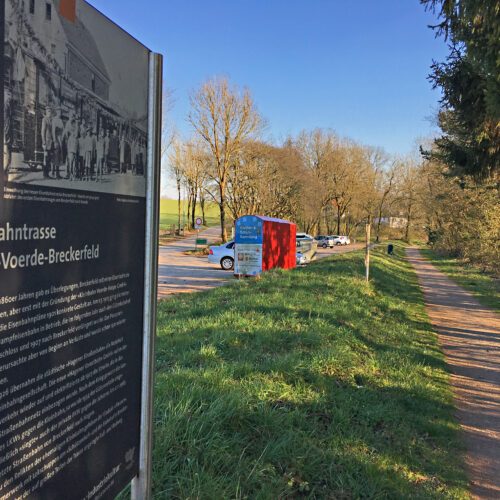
x=357, y=67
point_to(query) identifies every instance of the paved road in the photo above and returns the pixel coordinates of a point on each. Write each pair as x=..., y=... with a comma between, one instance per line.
x=327, y=252
x=469, y=334
x=181, y=273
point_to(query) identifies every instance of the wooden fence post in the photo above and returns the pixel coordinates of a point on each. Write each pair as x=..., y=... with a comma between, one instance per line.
x=367, y=250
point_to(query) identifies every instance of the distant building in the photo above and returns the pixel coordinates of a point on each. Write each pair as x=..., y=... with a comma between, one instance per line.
x=393, y=222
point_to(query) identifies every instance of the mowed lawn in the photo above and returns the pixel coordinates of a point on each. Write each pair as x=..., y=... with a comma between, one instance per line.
x=169, y=217
x=305, y=384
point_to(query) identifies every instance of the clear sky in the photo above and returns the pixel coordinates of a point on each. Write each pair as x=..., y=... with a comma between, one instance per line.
x=358, y=67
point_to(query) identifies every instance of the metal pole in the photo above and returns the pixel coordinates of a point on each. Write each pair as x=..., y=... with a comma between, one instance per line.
x=141, y=485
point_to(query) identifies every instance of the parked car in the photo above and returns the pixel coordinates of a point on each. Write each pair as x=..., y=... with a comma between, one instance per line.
x=325, y=241
x=304, y=236
x=341, y=240
x=301, y=259
x=222, y=255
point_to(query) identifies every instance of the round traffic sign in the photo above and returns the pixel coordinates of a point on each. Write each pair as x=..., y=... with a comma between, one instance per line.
x=199, y=221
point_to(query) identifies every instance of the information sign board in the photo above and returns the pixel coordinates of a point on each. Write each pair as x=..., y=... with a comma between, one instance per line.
x=248, y=259
x=75, y=197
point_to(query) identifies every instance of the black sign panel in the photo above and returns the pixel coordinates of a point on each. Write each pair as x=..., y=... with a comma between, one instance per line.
x=72, y=233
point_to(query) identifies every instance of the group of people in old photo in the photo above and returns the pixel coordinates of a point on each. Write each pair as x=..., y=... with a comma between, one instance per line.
x=78, y=150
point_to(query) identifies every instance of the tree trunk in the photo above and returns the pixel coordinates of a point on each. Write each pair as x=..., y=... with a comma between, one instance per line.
x=202, y=206
x=179, y=206
x=338, y=220
x=379, y=221
x=189, y=209
x=407, y=232
x=193, y=213
x=407, y=229
x=222, y=208
x=380, y=211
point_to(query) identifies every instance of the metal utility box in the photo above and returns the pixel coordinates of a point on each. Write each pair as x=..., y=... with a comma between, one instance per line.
x=263, y=243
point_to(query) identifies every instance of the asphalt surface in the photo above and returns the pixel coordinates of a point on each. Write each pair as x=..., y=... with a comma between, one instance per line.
x=327, y=252
x=182, y=273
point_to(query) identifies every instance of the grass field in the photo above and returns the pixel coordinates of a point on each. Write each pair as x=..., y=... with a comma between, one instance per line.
x=306, y=383
x=168, y=213
x=484, y=287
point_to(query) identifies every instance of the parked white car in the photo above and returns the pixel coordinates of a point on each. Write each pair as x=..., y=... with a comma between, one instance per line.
x=222, y=255
x=301, y=259
x=304, y=236
x=341, y=240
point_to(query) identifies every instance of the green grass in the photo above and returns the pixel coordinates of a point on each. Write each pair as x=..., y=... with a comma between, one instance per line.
x=168, y=213
x=305, y=384
x=483, y=286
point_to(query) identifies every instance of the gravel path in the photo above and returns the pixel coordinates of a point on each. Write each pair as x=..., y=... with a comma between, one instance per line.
x=469, y=334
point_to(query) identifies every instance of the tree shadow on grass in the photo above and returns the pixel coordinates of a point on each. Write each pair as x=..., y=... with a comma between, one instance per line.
x=351, y=442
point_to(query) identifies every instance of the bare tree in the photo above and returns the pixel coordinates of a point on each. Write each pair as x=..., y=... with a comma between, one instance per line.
x=169, y=139
x=409, y=194
x=337, y=176
x=175, y=163
x=168, y=132
x=387, y=176
x=266, y=180
x=317, y=149
x=224, y=118
x=194, y=175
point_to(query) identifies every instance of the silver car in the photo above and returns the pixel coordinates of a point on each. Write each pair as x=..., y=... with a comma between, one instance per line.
x=325, y=241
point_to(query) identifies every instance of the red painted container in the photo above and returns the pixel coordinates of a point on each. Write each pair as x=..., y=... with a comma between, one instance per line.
x=278, y=244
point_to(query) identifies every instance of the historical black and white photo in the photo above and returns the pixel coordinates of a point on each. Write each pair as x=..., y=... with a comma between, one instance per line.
x=75, y=100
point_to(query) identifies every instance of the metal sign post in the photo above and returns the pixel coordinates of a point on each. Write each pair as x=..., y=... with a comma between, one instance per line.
x=141, y=485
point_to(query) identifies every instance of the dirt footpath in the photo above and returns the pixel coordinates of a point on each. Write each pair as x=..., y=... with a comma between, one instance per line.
x=469, y=334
